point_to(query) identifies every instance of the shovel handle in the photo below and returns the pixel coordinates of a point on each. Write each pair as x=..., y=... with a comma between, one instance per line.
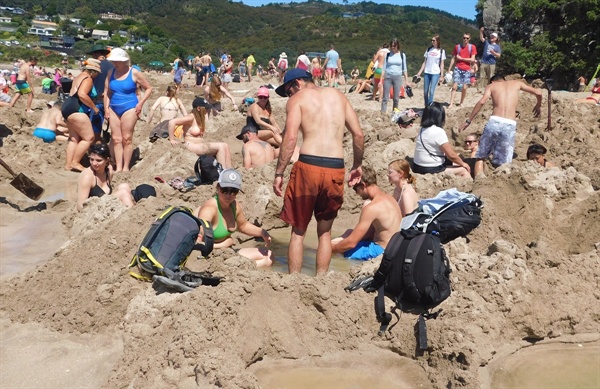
x=7, y=168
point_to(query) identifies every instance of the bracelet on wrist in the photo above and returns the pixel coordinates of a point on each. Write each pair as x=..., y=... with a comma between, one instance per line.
x=278, y=175
x=468, y=121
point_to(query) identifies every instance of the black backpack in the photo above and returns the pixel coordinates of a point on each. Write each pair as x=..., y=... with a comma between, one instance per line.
x=167, y=245
x=414, y=273
x=207, y=169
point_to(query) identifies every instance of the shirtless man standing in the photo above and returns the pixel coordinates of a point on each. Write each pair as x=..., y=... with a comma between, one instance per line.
x=255, y=152
x=205, y=61
x=379, y=221
x=498, y=136
x=24, y=82
x=315, y=69
x=193, y=127
x=320, y=114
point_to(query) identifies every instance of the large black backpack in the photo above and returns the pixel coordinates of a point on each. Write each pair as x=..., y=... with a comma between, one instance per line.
x=167, y=245
x=414, y=273
x=207, y=169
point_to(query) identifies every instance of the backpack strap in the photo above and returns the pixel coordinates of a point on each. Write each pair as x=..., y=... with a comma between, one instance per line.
x=381, y=275
x=382, y=316
x=408, y=273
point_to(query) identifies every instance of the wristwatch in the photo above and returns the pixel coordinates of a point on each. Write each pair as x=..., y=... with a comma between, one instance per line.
x=278, y=174
x=468, y=121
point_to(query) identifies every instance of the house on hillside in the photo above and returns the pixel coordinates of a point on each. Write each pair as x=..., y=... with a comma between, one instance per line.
x=101, y=35
x=44, y=18
x=5, y=19
x=110, y=15
x=353, y=15
x=57, y=41
x=42, y=28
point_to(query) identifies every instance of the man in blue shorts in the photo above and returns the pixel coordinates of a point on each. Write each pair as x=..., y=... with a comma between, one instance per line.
x=379, y=220
x=498, y=136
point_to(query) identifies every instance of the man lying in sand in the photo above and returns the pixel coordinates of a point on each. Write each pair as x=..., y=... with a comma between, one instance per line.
x=379, y=220
x=52, y=126
x=194, y=127
x=498, y=136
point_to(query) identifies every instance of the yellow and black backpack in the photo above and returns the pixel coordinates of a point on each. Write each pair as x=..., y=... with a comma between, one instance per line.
x=168, y=244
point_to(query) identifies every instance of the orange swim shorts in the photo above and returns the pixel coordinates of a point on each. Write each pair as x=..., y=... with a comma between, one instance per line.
x=313, y=189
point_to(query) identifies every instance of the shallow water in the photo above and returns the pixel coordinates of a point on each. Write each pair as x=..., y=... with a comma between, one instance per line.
x=549, y=366
x=280, y=243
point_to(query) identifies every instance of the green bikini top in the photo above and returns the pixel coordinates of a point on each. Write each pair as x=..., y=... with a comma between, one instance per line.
x=221, y=232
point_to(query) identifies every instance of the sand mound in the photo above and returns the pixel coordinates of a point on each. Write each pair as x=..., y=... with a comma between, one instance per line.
x=529, y=272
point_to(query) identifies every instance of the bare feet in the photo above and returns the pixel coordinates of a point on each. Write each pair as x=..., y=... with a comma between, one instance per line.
x=77, y=167
x=30, y=111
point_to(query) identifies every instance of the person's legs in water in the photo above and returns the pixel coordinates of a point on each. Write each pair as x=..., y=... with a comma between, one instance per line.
x=324, y=247
x=296, y=250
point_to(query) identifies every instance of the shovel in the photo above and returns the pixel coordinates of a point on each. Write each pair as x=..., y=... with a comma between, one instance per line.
x=24, y=184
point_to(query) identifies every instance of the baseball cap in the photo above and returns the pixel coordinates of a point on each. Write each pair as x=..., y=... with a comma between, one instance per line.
x=291, y=75
x=247, y=128
x=263, y=91
x=201, y=102
x=230, y=178
x=494, y=35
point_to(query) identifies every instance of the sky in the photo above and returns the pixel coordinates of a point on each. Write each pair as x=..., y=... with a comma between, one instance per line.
x=464, y=8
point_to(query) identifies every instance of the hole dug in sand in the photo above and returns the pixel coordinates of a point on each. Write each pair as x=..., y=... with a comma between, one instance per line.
x=372, y=369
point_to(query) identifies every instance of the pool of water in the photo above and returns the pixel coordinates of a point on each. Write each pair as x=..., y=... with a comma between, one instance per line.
x=549, y=366
x=280, y=243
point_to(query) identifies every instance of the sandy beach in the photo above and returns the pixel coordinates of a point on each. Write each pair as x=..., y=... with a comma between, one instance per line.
x=526, y=281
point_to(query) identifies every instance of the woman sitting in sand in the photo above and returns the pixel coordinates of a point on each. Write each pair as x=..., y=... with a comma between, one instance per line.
x=169, y=106
x=537, y=153
x=193, y=127
x=213, y=94
x=76, y=111
x=227, y=217
x=433, y=152
x=260, y=115
x=404, y=191
x=595, y=97
x=95, y=181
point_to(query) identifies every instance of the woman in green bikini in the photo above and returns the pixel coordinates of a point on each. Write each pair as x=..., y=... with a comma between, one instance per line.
x=227, y=217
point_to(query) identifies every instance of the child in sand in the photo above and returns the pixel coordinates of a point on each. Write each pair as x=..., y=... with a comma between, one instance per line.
x=52, y=126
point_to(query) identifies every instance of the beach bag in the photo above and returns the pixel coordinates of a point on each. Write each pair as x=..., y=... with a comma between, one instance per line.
x=415, y=274
x=207, y=169
x=167, y=246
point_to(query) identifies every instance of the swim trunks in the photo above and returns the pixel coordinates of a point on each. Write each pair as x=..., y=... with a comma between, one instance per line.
x=498, y=138
x=331, y=71
x=462, y=76
x=206, y=69
x=316, y=72
x=364, y=251
x=316, y=186
x=378, y=72
x=48, y=136
x=23, y=87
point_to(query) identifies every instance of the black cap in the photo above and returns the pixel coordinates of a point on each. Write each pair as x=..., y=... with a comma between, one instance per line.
x=201, y=102
x=247, y=128
x=291, y=75
x=99, y=48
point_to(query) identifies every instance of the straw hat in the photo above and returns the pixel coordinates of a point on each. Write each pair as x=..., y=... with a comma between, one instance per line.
x=92, y=64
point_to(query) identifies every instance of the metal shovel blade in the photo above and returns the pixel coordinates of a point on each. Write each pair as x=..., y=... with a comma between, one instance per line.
x=24, y=184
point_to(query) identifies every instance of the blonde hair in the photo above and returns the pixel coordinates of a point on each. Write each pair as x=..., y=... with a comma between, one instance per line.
x=200, y=117
x=402, y=166
x=214, y=90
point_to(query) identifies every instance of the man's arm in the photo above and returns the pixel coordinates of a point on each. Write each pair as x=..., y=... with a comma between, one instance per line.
x=358, y=233
x=538, y=95
x=481, y=36
x=486, y=95
x=358, y=144
x=288, y=143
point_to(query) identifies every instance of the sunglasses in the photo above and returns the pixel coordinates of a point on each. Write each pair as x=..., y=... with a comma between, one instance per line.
x=466, y=38
x=263, y=98
x=287, y=90
x=470, y=141
x=230, y=191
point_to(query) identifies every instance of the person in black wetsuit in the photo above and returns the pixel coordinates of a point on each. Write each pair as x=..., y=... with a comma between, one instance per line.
x=95, y=181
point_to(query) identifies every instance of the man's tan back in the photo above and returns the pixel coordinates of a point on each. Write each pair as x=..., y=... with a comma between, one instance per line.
x=387, y=219
x=323, y=120
x=261, y=153
x=505, y=97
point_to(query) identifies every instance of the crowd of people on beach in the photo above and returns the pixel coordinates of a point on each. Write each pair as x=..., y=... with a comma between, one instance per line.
x=110, y=91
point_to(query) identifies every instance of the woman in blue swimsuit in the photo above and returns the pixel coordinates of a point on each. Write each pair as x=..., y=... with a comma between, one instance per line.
x=95, y=181
x=76, y=111
x=122, y=105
